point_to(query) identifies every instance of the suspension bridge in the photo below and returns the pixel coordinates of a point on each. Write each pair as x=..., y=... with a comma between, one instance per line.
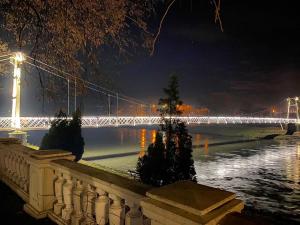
x=16, y=122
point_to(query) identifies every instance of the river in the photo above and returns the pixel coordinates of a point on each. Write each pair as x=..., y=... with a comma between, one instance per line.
x=265, y=174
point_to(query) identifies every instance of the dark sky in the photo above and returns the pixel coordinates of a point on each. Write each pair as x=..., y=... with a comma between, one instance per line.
x=254, y=64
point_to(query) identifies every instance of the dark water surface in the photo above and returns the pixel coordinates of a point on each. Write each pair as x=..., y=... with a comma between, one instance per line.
x=265, y=174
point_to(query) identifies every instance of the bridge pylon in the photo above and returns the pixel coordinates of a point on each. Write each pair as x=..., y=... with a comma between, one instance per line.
x=17, y=60
x=293, y=103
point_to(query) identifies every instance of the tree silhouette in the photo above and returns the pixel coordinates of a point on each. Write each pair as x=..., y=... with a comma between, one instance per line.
x=169, y=158
x=65, y=134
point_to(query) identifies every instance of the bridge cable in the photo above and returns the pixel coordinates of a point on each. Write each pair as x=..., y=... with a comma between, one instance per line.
x=86, y=86
x=105, y=89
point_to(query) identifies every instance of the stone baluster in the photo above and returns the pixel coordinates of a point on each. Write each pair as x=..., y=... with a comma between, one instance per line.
x=22, y=174
x=146, y=221
x=13, y=168
x=2, y=162
x=90, y=206
x=84, y=201
x=14, y=163
x=2, y=158
x=16, y=168
x=58, y=186
x=77, y=215
x=116, y=211
x=68, y=198
x=26, y=176
x=134, y=216
x=9, y=164
x=6, y=162
x=18, y=171
x=101, y=207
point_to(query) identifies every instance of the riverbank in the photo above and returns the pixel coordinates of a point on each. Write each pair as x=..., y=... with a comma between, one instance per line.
x=109, y=156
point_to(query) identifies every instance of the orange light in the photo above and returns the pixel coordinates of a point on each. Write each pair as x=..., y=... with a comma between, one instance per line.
x=142, y=142
x=153, y=136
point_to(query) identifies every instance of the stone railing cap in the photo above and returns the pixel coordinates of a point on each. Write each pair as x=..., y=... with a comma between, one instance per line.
x=45, y=154
x=10, y=141
x=191, y=197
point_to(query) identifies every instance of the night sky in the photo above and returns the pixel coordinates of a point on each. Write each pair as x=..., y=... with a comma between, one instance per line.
x=253, y=65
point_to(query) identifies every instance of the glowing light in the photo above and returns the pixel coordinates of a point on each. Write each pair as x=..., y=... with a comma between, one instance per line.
x=153, y=136
x=142, y=142
x=197, y=139
x=19, y=57
x=17, y=60
x=206, y=146
x=41, y=123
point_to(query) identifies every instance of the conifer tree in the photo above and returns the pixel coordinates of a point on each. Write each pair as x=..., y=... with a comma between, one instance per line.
x=66, y=135
x=169, y=158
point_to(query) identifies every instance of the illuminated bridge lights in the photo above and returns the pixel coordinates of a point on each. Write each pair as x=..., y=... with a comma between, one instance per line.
x=42, y=123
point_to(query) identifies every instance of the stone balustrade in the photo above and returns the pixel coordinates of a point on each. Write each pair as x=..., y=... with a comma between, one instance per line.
x=53, y=185
x=86, y=195
x=14, y=167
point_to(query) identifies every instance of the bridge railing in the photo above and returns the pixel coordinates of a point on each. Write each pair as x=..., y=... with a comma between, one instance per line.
x=54, y=186
x=40, y=123
x=5, y=123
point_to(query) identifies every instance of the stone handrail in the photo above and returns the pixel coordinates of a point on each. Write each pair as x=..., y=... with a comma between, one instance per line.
x=53, y=185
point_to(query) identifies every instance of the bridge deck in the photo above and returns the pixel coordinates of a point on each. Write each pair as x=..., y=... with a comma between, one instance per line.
x=41, y=123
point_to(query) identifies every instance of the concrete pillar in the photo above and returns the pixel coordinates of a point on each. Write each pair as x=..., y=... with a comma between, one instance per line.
x=22, y=136
x=42, y=191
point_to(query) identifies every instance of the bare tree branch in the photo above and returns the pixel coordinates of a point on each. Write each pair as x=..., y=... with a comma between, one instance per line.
x=160, y=26
x=217, y=13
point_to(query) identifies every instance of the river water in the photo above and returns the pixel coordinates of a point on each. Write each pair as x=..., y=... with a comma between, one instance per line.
x=265, y=174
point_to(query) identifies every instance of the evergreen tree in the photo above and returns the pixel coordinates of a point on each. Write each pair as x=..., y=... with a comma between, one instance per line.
x=169, y=159
x=184, y=163
x=66, y=135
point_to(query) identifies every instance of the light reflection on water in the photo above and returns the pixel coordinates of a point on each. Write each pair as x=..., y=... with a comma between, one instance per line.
x=266, y=177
